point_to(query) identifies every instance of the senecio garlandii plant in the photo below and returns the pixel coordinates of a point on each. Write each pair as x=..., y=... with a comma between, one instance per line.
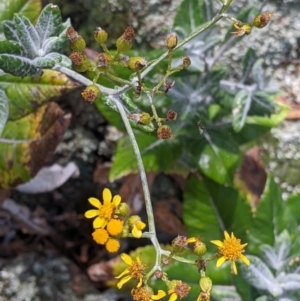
x=29, y=50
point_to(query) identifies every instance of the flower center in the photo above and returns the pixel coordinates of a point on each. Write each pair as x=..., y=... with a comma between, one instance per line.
x=231, y=249
x=106, y=211
x=136, y=270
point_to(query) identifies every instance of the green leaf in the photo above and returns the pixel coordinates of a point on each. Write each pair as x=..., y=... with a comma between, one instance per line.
x=269, y=121
x=240, y=108
x=28, y=143
x=248, y=62
x=220, y=156
x=157, y=155
x=18, y=65
x=29, y=8
x=269, y=219
x=27, y=36
x=293, y=204
x=4, y=111
x=260, y=276
x=8, y=47
x=190, y=15
x=210, y=208
x=26, y=94
x=49, y=22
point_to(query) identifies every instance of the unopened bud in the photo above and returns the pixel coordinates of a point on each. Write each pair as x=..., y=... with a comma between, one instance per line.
x=164, y=132
x=78, y=45
x=136, y=63
x=205, y=284
x=123, y=209
x=171, y=40
x=171, y=115
x=77, y=58
x=200, y=248
x=72, y=34
x=90, y=93
x=241, y=30
x=124, y=42
x=186, y=61
x=262, y=20
x=159, y=274
x=103, y=60
x=100, y=35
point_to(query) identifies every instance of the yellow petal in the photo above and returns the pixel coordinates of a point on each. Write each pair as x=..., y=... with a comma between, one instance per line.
x=245, y=259
x=122, y=274
x=99, y=222
x=126, y=258
x=91, y=213
x=227, y=235
x=116, y=200
x=233, y=265
x=220, y=261
x=140, y=283
x=123, y=281
x=95, y=202
x=173, y=297
x=140, y=225
x=244, y=245
x=106, y=194
x=232, y=235
x=160, y=294
x=217, y=243
x=136, y=232
x=191, y=240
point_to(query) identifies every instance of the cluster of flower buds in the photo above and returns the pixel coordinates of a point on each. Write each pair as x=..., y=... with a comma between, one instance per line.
x=112, y=221
x=102, y=64
x=260, y=21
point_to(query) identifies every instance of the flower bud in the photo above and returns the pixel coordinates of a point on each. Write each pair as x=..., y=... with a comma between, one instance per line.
x=123, y=209
x=262, y=20
x=164, y=132
x=90, y=93
x=133, y=219
x=103, y=60
x=136, y=63
x=200, y=248
x=171, y=41
x=186, y=61
x=100, y=35
x=78, y=45
x=205, y=284
x=243, y=29
x=171, y=115
x=80, y=61
x=124, y=42
x=77, y=58
x=72, y=34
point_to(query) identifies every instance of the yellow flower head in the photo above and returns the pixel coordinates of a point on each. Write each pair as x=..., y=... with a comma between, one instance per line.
x=136, y=226
x=115, y=227
x=145, y=294
x=105, y=211
x=112, y=245
x=100, y=236
x=135, y=270
x=178, y=289
x=230, y=249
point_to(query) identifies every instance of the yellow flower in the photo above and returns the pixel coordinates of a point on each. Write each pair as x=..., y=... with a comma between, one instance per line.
x=112, y=245
x=115, y=227
x=135, y=270
x=136, y=226
x=230, y=249
x=105, y=211
x=146, y=294
x=100, y=236
x=178, y=289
